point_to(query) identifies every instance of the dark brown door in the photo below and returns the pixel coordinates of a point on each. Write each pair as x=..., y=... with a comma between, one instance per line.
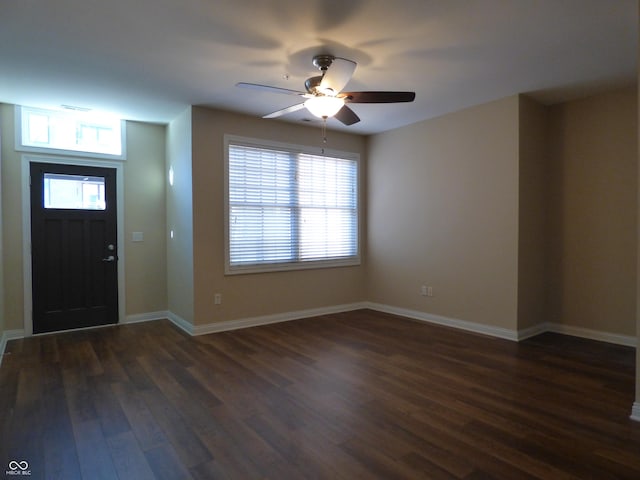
x=74, y=251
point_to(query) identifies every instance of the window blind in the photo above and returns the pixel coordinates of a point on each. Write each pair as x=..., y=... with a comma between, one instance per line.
x=287, y=208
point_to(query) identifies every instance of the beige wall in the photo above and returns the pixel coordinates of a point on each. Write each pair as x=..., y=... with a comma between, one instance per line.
x=180, y=260
x=637, y=313
x=637, y=203
x=145, y=277
x=2, y=327
x=514, y=213
x=532, y=213
x=443, y=212
x=593, y=191
x=251, y=295
x=11, y=223
x=145, y=211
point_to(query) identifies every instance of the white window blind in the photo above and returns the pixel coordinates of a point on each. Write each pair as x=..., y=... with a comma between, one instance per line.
x=288, y=209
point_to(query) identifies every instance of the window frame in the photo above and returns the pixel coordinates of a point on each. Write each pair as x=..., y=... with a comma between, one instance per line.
x=350, y=261
x=21, y=146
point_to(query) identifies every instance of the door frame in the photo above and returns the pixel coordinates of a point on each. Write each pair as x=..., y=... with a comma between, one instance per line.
x=27, y=159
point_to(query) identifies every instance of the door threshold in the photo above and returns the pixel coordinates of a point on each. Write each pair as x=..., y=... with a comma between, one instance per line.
x=68, y=330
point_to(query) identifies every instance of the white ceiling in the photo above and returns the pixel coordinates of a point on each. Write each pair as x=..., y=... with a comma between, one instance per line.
x=148, y=59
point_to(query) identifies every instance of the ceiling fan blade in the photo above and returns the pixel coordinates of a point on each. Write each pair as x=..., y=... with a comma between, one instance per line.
x=267, y=88
x=284, y=111
x=378, y=97
x=347, y=116
x=337, y=76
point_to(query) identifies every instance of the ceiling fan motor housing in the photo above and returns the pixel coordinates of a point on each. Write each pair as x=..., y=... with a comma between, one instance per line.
x=323, y=62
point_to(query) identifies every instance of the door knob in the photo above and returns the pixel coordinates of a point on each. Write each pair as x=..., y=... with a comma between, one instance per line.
x=110, y=258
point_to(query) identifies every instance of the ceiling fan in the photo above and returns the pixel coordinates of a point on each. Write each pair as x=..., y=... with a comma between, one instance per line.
x=324, y=95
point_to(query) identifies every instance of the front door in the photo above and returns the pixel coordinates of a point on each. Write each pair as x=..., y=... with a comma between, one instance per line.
x=74, y=252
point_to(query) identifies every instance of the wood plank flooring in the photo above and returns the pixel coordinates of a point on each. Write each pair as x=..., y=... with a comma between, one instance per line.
x=354, y=395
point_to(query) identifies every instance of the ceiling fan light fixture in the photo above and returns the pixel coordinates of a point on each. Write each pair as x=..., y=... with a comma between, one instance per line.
x=324, y=106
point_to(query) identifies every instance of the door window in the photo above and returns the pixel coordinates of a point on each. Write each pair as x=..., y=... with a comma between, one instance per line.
x=73, y=192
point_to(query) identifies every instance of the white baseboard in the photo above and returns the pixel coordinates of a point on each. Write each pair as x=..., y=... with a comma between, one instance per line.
x=5, y=337
x=608, y=337
x=228, y=325
x=515, y=335
x=447, y=322
x=635, y=412
x=275, y=318
x=145, y=317
x=181, y=323
x=532, y=331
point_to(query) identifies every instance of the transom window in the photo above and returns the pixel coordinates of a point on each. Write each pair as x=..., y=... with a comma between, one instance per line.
x=70, y=131
x=289, y=207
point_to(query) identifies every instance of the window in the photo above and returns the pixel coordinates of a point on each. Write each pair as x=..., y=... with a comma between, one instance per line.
x=73, y=192
x=289, y=208
x=73, y=132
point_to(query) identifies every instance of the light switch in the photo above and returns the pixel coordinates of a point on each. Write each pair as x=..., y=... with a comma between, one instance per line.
x=137, y=237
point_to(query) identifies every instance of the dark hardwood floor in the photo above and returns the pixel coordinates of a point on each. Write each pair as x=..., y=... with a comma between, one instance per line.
x=353, y=395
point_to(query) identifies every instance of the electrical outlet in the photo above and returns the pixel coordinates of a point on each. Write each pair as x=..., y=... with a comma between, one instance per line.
x=424, y=291
x=217, y=299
